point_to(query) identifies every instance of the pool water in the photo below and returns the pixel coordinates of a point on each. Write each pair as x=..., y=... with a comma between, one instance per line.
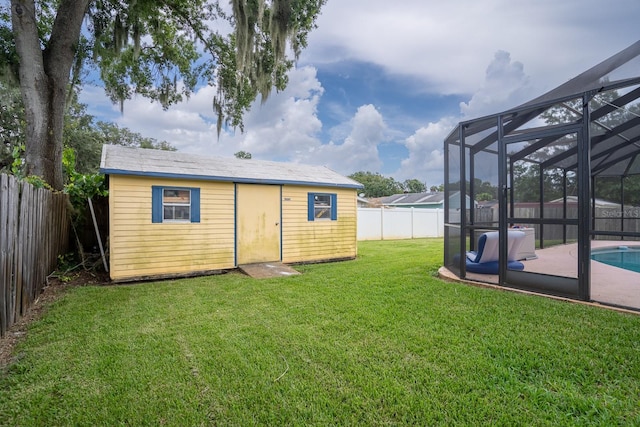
x=627, y=257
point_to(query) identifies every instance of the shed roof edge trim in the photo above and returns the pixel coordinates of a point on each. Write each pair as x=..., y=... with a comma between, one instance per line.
x=227, y=179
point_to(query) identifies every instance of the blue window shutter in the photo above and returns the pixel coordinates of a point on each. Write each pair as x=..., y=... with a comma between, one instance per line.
x=310, y=207
x=156, y=204
x=334, y=207
x=195, y=205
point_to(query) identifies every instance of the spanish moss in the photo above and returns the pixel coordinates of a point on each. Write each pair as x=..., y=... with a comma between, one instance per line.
x=261, y=28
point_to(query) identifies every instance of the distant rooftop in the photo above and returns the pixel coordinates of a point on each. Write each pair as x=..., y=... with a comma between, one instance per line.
x=118, y=160
x=426, y=198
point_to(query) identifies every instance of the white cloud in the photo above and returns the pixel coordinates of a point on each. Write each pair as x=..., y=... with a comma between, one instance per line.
x=286, y=124
x=188, y=126
x=284, y=128
x=426, y=155
x=359, y=150
x=505, y=86
x=445, y=44
x=440, y=48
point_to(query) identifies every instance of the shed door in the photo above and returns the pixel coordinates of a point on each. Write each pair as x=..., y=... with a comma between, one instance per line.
x=257, y=223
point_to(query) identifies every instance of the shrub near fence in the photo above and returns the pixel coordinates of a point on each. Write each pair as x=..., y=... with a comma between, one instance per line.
x=34, y=229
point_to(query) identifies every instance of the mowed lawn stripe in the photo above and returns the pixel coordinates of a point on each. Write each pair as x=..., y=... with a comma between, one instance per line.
x=378, y=340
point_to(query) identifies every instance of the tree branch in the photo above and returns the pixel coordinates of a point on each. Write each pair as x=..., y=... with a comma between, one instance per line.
x=64, y=39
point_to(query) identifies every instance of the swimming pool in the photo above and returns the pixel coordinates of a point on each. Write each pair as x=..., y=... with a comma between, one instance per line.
x=627, y=257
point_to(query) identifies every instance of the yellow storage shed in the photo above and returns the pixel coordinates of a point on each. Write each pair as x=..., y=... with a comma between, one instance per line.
x=175, y=214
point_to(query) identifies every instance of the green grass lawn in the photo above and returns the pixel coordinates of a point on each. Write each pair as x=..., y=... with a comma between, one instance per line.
x=375, y=341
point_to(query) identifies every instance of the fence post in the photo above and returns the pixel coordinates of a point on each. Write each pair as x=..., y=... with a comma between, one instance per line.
x=413, y=224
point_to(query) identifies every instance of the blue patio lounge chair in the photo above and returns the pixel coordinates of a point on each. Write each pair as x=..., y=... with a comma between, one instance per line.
x=486, y=259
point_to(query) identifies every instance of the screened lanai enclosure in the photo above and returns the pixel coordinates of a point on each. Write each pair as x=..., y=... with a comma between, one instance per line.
x=563, y=170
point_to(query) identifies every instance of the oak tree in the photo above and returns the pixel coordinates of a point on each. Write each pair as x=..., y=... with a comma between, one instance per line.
x=161, y=49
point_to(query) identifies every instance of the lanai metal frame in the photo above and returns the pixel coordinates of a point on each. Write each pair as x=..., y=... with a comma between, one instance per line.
x=582, y=147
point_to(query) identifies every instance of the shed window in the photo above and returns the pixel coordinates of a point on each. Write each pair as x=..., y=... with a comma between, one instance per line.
x=175, y=204
x=322, y=206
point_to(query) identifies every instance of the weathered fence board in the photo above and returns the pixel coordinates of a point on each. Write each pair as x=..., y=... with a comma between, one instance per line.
x=5, y=274
x=34, y=229
x=12, y=229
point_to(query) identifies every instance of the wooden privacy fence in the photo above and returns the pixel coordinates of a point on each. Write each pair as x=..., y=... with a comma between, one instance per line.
x=34, y=229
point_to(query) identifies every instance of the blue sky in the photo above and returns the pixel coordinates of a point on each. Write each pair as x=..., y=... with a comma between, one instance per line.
x=382, y=83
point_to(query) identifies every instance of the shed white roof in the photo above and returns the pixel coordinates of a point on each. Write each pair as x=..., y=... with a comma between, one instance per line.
x=118, y=160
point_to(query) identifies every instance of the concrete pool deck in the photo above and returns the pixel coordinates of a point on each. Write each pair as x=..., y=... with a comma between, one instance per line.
x=609, y=285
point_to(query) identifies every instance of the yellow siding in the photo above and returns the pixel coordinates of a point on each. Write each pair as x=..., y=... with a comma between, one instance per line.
x=304, y=240
x=139, y=248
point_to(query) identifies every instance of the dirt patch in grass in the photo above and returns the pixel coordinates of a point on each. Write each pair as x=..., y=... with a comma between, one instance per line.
x=51, y=293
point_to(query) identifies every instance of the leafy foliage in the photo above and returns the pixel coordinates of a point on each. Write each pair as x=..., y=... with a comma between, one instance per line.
x=15, y=166
x=610, y=188
x=484, y=197
x=607, y=188
x=155, y=49
x=377, y=185
x=161, y=50
x=8, y=56
x=80, y=186
x=414, y=186
x=81, y=133
x=145, y=47
x=11, y=125
x=486, y=189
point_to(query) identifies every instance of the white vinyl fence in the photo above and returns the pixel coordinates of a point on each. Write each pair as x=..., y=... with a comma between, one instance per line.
x=399, y=223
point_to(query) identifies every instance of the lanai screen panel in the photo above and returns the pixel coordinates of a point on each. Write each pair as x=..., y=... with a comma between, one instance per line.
x=571, y=162
x=453, y=202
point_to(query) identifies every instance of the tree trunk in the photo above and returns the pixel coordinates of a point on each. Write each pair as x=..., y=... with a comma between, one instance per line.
x=44, y=76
